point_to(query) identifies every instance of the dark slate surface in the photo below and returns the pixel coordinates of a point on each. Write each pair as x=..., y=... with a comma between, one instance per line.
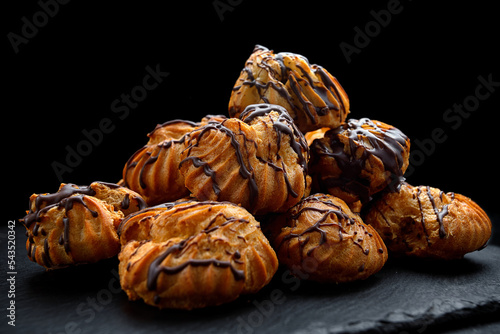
x=405, y=296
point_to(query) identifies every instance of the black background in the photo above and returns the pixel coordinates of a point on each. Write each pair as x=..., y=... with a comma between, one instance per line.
x=425, y=60
x=65, y=78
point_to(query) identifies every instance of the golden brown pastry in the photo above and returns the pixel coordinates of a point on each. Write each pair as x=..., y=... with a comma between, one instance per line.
x=193, y=254
x=77, y=224
x=426, y=222
x=312, y=96
x=358, y=159
x=121, y=198
x=153, y=171
x=327, y=242
x=316, y=134
x=258, y=161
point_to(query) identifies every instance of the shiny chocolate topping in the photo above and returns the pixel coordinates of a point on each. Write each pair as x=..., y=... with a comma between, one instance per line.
x=329, y=209
x=440, y=214
x=323, y=86
x=388, y=145
x=219, y=220
x=65, y=198
x=283, y=126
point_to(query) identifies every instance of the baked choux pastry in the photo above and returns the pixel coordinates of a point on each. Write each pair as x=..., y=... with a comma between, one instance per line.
x=358, y=159
x=258, y=161
x=77, y=224
x=327, y=242
x=193, y=254
x=153, y=171
x=312, y=96
x=428, y=223
x=121, y=198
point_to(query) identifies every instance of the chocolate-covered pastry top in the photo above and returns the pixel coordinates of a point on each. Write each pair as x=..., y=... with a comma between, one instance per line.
x=65, y=197
x=351, y=146
x=266, y=149
x=312, y=96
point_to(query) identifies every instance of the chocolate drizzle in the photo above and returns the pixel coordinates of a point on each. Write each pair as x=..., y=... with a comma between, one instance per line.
x=176, y=250
x=325, y=220
x=283, y=126
x=197, y=162
x=245, y=171
x=388, y=145
x=419, y=191
x=156, y=267
x=440, y=214
x=288, y=83
x=64, y=198
x=160, y=143
x=174, y=121
x=147, y=159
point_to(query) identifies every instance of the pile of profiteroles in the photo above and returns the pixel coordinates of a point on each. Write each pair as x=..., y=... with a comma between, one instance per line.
x=206, y=211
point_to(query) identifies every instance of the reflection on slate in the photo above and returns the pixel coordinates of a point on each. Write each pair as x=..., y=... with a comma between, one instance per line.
x=406, y=295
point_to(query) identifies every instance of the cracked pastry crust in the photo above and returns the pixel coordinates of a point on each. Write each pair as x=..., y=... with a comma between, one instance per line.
x=312, y=96
x=77, y=224
x=258, y=161
x=357, y=160
x=328, y=242
x=153, y=170
x=192, y=254
x=426, y=222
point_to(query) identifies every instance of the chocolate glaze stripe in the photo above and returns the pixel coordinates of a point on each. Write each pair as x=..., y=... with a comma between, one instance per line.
x=125, y=204
x=284, y=125
x=245, y=171
x=278, y=87
x=321, y=88
x=174, y=206
x=306, y=105
x=387, y=145
x=439, y=214
x=197, y=162
x=132, y=163
x=149, y=158
x=46, y=255
x=173, y=121
x=156, y=267
x=65, y=197
x=316, y=227
x=51, y=200
x=228, y=220
x=419, y=191
x=319, y=70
